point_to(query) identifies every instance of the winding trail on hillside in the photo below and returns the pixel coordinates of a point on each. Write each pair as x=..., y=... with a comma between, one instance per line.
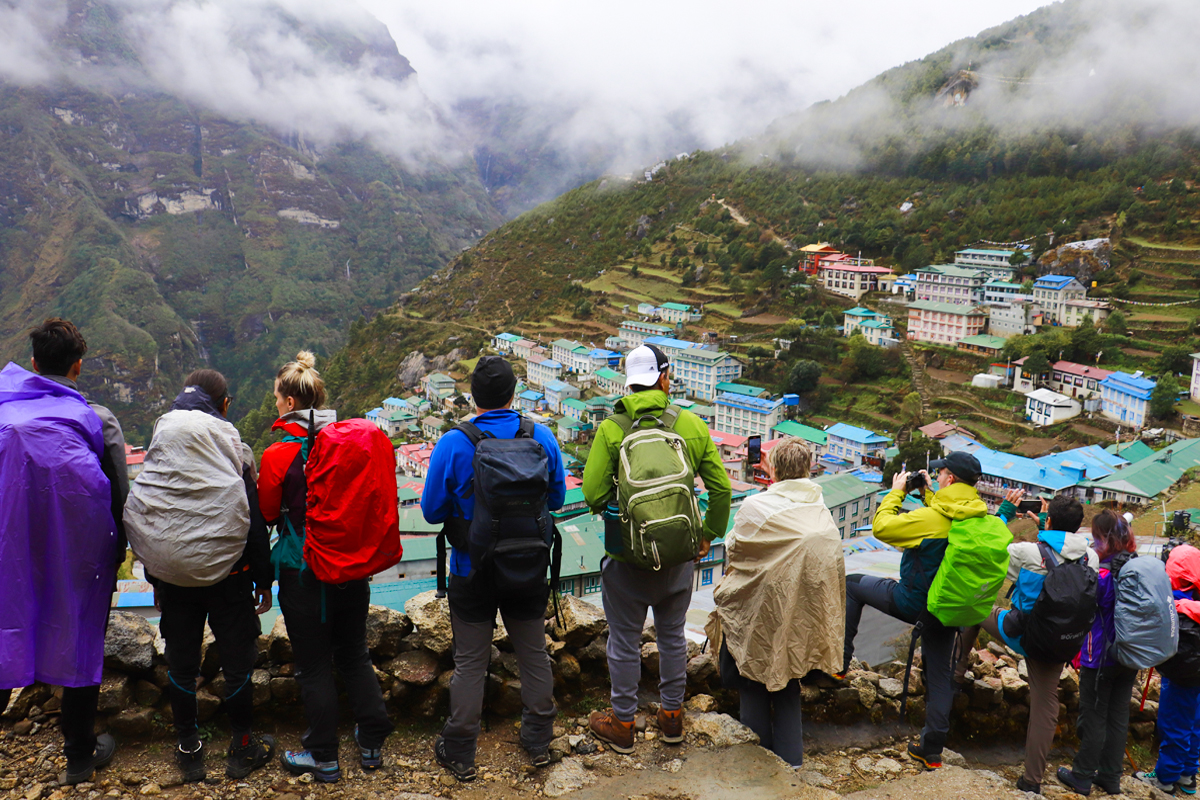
x=740, y=219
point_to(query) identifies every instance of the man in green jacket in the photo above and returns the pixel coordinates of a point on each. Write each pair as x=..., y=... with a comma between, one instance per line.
x=629, y=591
x=921, y=534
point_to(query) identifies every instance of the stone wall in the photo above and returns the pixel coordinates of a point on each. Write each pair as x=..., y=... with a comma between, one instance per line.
x=411, y=653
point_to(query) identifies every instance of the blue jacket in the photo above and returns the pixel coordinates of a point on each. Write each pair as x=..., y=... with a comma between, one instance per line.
x=448, y=491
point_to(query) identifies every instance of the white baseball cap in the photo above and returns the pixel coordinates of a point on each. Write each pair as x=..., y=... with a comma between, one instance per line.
x=643, y=366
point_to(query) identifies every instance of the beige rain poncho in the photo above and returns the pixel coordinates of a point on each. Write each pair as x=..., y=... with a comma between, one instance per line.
x=782, y=603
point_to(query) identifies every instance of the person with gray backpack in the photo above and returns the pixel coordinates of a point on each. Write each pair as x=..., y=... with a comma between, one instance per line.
x=493, y=482
x=640, y=475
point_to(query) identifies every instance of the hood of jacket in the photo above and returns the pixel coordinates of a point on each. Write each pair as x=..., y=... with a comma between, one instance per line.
x=193, y=398
x=1071, y=546
x=798, y=490
x=638, y=403
x=296, y=422
x=1183, y=567
x=958, y=501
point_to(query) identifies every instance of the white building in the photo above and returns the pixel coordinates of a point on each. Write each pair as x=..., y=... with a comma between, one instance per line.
x=852, y=318
x=747, y=416
x=1053, y=292
x=1004, y=292
x=854, y=280
x=701, y=370
x=1044, y=407
x=1195, y=391
x=995, y=262
x=1126, y=398
x=1013, y=319
x=634, y=332
x=880, y=331
x=541, y=370
x=950, y=284
x=503, y=342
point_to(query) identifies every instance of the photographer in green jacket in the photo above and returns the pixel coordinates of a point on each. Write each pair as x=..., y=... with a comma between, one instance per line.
x=628, y=590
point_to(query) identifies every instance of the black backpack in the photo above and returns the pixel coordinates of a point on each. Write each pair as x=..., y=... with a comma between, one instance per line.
x=1184, y=667
x=511, y=537
x=1062, y=615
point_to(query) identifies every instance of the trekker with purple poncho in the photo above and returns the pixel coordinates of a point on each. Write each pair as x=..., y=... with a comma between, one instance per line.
x=62, y=487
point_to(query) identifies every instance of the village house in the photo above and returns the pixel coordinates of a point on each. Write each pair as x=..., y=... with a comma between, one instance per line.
x=1044, y=407
x=437, y=388
x=748, y=416
x=950, y=284
x=672, y=347
x=1126, y=398
x=1076, y=311
x=1053, y=292
x=647, y=309
x=677, y=312
x=880, y=331
x=610, y=381
x=556, y=393
x=854, y=278
x=742, y=389
x=413, y=459
x=135, y=459
x=600, y=408
x=395, y=404
x=701, y=370
x=634, y=332
x=849, y=500
x=1143, y=481
x=943, y=323
x=1194, y=392
x=570, y=429
x=399, y=423
x=854, y=446
x=995, y=262
x=530, y=399
x=523, y=348
x=564, y=351
x=731, y=448
x=504, y=342
x=541, y=370
x=375, y=417
x=574, y=408
x=431, y=428
x=1013, y=319
x=854, y=317
x=811, y=253
x=995, y=291
x=982, y=343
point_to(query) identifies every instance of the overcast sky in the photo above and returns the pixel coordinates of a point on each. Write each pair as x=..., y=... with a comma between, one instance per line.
x=723, y=69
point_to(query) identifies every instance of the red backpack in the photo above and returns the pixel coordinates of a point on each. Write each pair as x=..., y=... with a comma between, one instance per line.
x=352, y=526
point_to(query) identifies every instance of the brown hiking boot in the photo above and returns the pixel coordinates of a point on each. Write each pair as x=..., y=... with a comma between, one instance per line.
x=607, y=728
x=670, y=725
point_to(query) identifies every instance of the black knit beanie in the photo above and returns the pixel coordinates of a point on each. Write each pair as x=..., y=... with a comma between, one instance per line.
x=492, y=382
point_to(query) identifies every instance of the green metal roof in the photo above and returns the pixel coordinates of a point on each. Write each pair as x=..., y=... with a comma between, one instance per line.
x=676, y=306
x=420, y=549
x=952, y=270
x=1153, y=475
x=842, y=488
x=411, y=521
x=984, y=340
x=404, y=493
x=965, y=309
x=575, y=403
x=1132, y=451
x=859, y=311
x=699, y=354
x=565, y=343
x=610, y=375
x=583, y=545
x=807, y=432
x=741, y=388
x=570, y=422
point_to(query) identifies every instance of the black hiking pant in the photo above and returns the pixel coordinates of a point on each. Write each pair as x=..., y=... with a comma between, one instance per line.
x=229, y=608
x=327, y=624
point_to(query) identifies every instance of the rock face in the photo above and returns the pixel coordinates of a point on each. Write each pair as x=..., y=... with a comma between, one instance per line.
x=385, y=629
x=414, y=367
x=431, y=616
x=566, y=776
x=581, y=621
x=419, y=667
x=279, y=646
x=720, y=729
x=129, y=643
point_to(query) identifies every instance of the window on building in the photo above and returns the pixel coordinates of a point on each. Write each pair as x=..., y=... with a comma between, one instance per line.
x=841, y=533
x=591, y=584
x=566, y=587
x=841, y=513
x=706, y=577
x=854, y=510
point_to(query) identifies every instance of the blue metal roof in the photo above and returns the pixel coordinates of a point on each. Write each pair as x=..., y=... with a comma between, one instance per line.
x=1053, y=281
x=1094, y=459
x=854, y=434
x=667, y=341
x=1010, y=468
x=762, y=405
x=557, y=386
x=530, y=394
x=1127, y=384
x=396, y=401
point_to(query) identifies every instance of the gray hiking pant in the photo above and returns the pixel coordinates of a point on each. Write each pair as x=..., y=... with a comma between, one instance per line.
x=628, y=593
x=472, y=653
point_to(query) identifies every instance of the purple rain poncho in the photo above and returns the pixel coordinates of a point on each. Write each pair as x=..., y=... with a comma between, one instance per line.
x=58, y=541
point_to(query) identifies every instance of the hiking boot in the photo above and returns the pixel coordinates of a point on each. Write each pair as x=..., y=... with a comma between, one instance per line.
x=191, y=762
x=102, y=756
x=670, y=725
x=248, y=754
x=1067, y=778
x=368, y=757
x=1025, y=786
x=461, y=770
x=607, y=728
x=1151, y=778
x=928, y=758
x=299, y=762
x=539, y=758
x=1186, y=784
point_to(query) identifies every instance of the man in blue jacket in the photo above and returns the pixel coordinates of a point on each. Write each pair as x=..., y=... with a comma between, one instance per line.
x=449, y=497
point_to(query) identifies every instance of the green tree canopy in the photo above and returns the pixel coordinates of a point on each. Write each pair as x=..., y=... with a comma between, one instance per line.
x=827, y=320
x=1116, y=324
x=1036, y=364
x=1164, y=396
x=916, y=453
x=1175, y=359
x=804, y=376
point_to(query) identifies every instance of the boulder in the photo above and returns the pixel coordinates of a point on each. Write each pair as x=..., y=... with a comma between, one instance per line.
x=210, y=659
x=431, y=616
x=916, y=684
x=129, y=642
x=285, y=690
x=866, y=691
x=811, y=694
x=890, y=687
x=596, y=649
x=650, y=658
x=260, y=685
x=207, y=704
x=701, y=670
x=566, y=776
x=33, y=695
x=279, y=646
x=504, y=696
x=385, y=629
x=568, y=667
x=1069, y=680
x=419, y=667
x=581, y=622
x=146, y=693
x=500, y=638
x=412, y=369
x=649, y=632
x=953, y=759
x=116, y=692
x=701, y=703
x=133, y=722
x=720, y=729
x=987, y=692
x=560, y=748
x=1016, y=690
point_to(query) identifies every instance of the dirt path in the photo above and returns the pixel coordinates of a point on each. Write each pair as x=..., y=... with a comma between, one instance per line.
x=740, y=219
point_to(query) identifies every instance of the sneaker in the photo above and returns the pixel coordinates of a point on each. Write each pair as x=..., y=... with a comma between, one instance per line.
x=299, y=762
x=370, y=758
x=1067, y=778
x=1151, y=778
x=607, y=728
x=1186, y=784
x=928, y=759
x=248, y=755
x=462, y=771
x=1025, y=786
x=670, y=725
x=191, y=762
x=539, y=758
x=102, y=756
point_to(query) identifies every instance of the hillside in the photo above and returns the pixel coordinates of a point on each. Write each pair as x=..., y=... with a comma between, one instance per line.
x=177, y=236
x=720, y=227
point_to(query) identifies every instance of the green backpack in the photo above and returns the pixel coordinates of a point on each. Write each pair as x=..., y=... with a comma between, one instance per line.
x=660, y=519
x=972, y=571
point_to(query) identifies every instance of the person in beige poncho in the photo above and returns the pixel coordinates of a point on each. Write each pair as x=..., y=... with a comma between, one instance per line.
x=781, y=606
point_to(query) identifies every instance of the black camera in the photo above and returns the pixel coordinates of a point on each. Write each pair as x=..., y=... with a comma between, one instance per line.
x=915, y=481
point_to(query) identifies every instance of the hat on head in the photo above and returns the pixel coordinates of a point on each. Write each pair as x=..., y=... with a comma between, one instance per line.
x=961, y=464
x=643, y=366
x=492, y=382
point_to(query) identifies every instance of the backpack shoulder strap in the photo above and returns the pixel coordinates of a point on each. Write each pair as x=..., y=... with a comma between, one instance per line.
x=624, y=421
x=1049, y=557
x=525, y=429
x=472, y=432
x=670, y=416
x=1118, y=561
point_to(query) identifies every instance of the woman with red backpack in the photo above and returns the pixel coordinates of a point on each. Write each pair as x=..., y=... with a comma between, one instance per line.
x=326, y=619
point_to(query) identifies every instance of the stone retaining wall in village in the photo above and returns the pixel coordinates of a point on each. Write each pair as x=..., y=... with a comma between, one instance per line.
x=412, y=657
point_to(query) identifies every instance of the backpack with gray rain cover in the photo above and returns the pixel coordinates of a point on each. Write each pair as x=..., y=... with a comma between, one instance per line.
x=1146, y=625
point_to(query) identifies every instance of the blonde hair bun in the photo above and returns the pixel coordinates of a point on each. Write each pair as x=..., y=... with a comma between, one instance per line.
x=306, y=359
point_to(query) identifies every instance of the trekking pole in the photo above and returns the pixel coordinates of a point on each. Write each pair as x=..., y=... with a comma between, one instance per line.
x=1146, y=691
x=1131, y=761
